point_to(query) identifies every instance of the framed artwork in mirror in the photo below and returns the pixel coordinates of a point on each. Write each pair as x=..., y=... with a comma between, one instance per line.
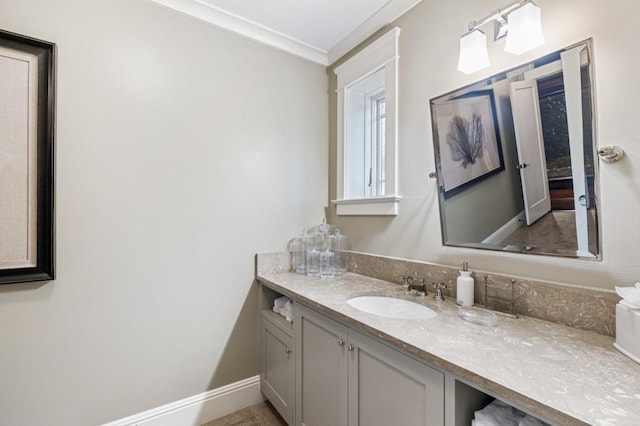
x=27, y=115
x=467, y=140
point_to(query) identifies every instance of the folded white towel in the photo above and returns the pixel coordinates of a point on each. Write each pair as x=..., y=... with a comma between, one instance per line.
x=284, y=306
x=498, y=414
x=287, y=311
x=279, y=303
x=630, y=294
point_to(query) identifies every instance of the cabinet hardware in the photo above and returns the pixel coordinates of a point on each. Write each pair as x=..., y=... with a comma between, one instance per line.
x=340, y=342
x=350, y=347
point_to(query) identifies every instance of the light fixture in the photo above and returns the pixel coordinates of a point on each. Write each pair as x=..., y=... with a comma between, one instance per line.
x=520, y=22
x=525, y=29
x=473, y=52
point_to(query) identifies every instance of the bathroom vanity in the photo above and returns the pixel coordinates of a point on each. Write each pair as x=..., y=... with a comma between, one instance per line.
x=338, y=365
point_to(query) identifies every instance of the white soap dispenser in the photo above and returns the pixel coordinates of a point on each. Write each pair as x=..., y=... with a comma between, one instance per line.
x=464, y=286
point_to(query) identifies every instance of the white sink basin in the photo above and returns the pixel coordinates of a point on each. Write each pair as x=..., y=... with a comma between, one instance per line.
x=390, y=307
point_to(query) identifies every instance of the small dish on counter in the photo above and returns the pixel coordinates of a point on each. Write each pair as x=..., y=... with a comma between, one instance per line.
x=478, y=316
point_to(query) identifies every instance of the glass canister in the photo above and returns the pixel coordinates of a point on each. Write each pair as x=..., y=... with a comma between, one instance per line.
x=298, y=253
x=339, y=245
x=313, y=261
x=317, y=244
x=327, y=265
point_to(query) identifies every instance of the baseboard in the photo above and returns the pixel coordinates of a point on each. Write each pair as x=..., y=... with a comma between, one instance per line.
x=505, y=230
x=201, y=408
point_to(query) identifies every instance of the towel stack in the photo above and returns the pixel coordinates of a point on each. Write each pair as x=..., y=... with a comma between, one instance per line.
x=500, y=414
x=630, y=296
x=628, y=322
x=284, y=307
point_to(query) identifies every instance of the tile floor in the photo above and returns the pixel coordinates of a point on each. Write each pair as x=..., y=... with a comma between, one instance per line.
x=262, y=414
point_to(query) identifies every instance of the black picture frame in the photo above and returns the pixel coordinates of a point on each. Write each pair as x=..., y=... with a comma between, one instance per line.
x=43, y=266
x=463, y=112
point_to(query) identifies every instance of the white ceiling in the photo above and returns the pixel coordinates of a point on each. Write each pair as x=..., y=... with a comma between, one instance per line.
x=318, y=23
x=318, y=30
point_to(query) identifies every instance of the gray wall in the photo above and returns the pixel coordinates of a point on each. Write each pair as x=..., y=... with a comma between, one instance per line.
x=182, y=150
x=427, y=68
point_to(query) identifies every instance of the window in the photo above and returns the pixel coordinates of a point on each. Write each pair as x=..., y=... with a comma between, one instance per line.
x=375, y=144
x=367, y=149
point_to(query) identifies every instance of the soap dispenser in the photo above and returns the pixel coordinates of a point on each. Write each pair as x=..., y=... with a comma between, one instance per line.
x=464, y=286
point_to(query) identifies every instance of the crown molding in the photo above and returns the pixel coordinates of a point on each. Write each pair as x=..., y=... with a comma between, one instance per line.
x=198, y=9
x=237, y=24
x=385, y=15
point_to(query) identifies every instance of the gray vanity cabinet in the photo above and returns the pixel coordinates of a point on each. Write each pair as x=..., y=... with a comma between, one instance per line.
x=387, y=387
x=321, y=369
x=347, y=378
x=278, y=364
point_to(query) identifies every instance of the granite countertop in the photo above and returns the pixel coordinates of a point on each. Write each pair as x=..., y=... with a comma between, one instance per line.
x=566, y=375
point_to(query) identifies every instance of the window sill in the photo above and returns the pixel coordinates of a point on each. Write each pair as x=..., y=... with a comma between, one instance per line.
x=373, y=206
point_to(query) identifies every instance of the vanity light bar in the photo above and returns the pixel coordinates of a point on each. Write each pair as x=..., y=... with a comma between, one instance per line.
x=499, y=17
x=526, y=34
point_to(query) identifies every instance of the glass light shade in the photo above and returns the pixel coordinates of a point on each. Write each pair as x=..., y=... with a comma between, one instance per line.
x=525, y=29
x=473, y=52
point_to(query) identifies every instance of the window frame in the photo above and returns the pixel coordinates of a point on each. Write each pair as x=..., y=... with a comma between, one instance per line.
x=382, y=54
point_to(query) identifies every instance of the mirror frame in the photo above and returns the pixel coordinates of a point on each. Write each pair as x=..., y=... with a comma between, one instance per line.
x=481, y=85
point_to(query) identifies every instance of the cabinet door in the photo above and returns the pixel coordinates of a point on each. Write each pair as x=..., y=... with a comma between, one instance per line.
x=277, y=380
x=387, y=387
x=321, y=369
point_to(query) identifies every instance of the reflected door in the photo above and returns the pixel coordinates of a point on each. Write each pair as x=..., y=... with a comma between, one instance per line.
x=571, y=64
x=530, y=145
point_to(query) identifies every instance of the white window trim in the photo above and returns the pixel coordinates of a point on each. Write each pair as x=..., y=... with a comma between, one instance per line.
x=382, y=53
x=373, y=164
x=372, y=206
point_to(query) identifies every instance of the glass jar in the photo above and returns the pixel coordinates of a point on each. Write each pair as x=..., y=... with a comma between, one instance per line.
x=297, y=248
x=313, y=262
x=339, y=245
x=327, y=265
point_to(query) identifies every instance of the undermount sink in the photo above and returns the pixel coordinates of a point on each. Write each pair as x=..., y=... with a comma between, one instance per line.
x=391, y=307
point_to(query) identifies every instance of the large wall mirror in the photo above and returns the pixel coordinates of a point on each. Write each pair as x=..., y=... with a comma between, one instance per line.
x=515, y=159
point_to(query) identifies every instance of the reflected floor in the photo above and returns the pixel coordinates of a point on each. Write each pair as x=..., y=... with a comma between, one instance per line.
x=556, y=229
x=262, y=414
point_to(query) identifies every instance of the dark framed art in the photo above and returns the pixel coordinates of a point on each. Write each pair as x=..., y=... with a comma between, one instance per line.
x=27, y=127
x=467, y=140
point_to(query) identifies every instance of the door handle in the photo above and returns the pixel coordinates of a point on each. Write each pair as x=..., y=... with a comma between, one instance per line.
x=582, y=200
x=521, y=166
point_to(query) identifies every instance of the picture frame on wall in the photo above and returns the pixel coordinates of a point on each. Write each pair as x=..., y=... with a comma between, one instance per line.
x=27, y=131
x=468, y=147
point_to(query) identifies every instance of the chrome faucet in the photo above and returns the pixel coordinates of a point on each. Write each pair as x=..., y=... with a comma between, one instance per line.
x=420, y=288
x=439, y=287
x=406, y=282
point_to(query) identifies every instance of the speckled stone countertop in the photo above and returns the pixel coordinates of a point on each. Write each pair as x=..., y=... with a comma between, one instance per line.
x=564, y=375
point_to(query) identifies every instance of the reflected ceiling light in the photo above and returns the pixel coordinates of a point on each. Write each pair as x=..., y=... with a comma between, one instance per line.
x=473, y=52
x=521, y=23
x=525, y=29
